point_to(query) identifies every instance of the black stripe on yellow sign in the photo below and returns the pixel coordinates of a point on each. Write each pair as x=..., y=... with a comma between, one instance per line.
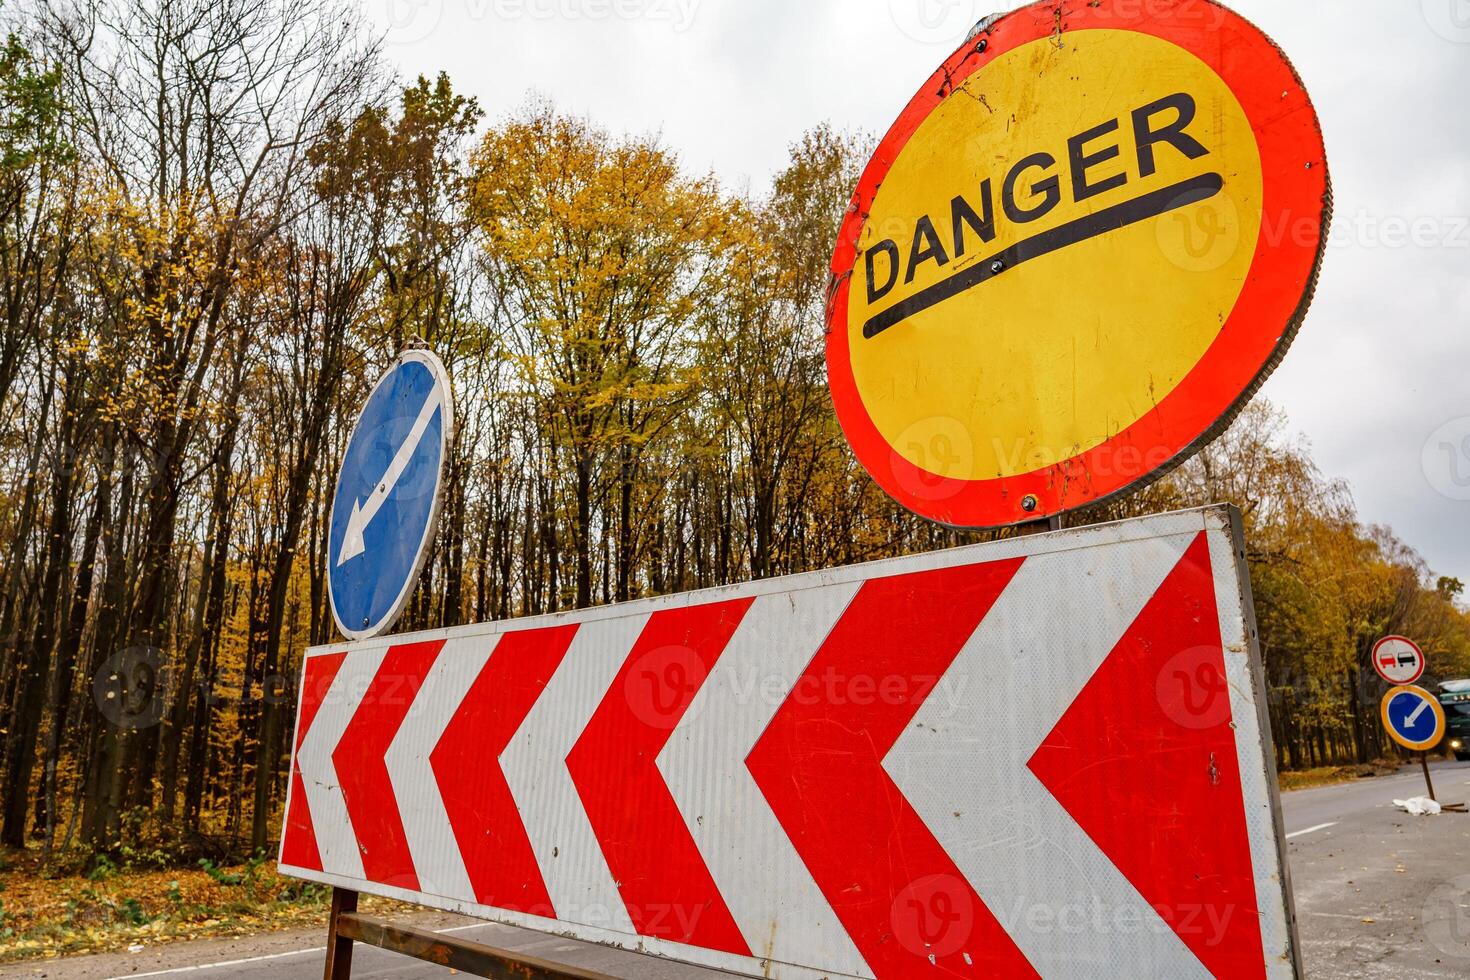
x=1141, y=208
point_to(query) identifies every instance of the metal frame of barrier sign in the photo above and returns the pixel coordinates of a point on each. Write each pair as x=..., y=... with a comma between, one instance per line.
x=347, y=927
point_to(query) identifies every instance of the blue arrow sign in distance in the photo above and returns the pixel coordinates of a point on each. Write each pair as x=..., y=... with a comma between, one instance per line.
x=1413, y=717
x=388, y=492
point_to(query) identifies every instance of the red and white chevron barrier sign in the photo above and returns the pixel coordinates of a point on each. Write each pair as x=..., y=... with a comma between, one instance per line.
x=1039, y=757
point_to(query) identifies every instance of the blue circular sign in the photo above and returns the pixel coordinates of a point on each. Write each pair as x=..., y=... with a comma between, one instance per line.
x=1413, y=717
x=387, y=502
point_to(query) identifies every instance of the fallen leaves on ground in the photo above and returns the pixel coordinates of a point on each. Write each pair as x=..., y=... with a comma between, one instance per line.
x=42, y=917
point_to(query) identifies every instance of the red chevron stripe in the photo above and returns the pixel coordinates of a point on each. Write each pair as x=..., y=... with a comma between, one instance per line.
x=466, y=762
x=1189, y=778
x=359, y=760
x=298, y=840
x=661, y=876
x=907, y=907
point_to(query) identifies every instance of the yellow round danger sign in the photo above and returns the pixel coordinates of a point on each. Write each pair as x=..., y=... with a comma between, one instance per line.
x=1080, y=248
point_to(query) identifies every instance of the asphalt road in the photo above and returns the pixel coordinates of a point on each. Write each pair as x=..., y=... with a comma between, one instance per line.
x=1379, y=894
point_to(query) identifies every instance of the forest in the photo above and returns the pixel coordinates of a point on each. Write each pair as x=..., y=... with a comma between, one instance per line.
x=221, y=219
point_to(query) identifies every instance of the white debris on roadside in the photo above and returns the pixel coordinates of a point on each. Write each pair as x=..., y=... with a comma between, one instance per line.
x=1419, y=806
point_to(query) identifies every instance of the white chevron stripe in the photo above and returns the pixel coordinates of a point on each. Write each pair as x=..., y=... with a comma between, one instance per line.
x=758, y=871
x=1246, y=685
x=436, y=856
x=577, y=878
x=962, y=764
x=335, y=839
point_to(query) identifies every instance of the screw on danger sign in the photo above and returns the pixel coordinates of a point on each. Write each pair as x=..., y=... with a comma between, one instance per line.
x=1032, y=189
x=1056, y=280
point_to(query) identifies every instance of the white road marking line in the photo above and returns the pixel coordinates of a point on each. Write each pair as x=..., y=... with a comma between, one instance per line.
x=272, y=956
x=220, y=965
x=1333, y=915
x=1320, y=826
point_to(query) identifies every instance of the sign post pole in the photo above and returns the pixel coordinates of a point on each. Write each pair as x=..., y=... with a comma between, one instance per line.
x=1424, y=762
x=339, y=947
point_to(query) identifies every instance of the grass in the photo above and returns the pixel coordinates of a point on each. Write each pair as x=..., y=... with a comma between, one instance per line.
x=48, y=915
x=1329, y=775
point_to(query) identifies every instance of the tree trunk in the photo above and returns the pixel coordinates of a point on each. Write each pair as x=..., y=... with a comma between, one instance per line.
x=70, y=646
x=33, y=664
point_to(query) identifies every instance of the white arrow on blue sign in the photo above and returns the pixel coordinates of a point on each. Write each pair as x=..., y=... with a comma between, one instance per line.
x=1413, y=717
x=387, y=502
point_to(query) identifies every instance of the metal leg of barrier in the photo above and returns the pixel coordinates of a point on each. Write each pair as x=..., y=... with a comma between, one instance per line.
x=339, y=945
x=456, y=954
x=346, y=927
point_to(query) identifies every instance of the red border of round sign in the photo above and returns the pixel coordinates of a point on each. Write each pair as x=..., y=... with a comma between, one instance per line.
x=1393, y=733
x=1296, y=209
x=1423, y=660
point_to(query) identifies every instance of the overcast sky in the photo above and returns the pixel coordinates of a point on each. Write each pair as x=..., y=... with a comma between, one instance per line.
x=1377, y=378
